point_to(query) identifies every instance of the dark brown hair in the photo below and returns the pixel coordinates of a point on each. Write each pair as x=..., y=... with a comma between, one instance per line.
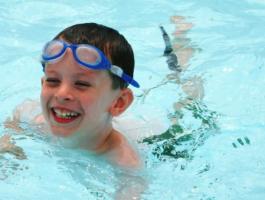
x=110, y=41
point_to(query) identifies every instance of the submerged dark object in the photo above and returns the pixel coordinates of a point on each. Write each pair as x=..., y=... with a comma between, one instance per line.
x=166, y=38
x=172, y=59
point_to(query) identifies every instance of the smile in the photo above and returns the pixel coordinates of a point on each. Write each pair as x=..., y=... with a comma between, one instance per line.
x=64, y=115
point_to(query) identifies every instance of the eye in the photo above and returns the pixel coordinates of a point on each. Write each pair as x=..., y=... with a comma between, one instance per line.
x=82, y=84
x=52, y=81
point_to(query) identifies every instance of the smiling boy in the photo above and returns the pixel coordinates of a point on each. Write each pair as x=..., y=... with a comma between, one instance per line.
x=87, y=69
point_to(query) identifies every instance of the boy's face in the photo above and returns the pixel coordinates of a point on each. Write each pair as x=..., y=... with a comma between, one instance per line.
x=76, y=99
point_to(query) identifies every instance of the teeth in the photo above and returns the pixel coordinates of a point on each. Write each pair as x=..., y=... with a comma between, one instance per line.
x=64, y=114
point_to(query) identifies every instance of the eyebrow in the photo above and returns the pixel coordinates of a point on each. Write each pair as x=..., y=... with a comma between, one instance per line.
x=91, y=74
x=82, y=74
x=78, y=74
x=50, y=71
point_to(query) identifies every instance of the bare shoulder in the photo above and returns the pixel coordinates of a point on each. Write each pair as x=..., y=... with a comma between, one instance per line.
x=29, y=111
x=122, y=152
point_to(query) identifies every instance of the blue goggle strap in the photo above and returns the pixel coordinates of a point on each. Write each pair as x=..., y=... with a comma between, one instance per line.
x=119, y=72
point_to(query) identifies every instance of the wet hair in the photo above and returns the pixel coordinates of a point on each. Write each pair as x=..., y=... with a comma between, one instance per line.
x=110, y=41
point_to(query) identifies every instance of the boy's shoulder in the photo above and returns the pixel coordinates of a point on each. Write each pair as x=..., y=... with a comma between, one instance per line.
x=122, y=152
x=27, y=111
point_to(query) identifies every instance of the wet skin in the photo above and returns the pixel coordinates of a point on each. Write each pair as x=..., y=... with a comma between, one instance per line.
x=77, y=100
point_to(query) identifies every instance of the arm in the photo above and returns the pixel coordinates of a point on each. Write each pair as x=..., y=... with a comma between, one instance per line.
x=25, y=113
x=7, y=146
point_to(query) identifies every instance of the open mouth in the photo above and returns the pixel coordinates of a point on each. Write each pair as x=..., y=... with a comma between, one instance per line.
x=63, y=115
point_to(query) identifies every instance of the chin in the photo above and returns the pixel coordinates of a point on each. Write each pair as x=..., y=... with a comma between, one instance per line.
x=61, y=132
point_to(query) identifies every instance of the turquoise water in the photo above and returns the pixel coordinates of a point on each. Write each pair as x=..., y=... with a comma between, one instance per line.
x=215, y=151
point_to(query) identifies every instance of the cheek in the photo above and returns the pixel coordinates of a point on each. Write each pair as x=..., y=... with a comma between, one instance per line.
x=44, y=97
x=89, y=103
x=94, y=104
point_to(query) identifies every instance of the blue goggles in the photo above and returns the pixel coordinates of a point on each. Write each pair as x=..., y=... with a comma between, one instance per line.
x=85, y=55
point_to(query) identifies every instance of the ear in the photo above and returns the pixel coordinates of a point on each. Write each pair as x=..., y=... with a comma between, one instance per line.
x=122, y=102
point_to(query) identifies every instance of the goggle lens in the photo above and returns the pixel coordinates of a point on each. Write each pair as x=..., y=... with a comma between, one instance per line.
x=88, y=55
x=53, y=48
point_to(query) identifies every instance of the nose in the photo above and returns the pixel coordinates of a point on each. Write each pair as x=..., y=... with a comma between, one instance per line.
x=68, y=51
x=64, y=93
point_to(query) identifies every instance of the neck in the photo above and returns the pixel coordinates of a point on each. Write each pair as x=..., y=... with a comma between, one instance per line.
x=96, y=142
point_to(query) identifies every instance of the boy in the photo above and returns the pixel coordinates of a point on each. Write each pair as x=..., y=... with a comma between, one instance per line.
x=87, y=68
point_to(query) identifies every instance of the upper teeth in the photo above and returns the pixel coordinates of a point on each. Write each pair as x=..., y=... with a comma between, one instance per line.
x=61, y=113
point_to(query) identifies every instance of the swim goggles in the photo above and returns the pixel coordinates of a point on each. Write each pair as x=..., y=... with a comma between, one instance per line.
x=85, y=55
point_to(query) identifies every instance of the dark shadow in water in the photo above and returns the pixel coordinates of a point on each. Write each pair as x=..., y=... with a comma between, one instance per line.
x=180, y=140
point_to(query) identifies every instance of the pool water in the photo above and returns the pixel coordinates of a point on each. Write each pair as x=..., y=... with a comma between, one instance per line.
x=211, y=148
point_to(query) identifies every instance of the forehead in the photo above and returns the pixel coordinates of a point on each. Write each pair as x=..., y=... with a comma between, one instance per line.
x=75, y=70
